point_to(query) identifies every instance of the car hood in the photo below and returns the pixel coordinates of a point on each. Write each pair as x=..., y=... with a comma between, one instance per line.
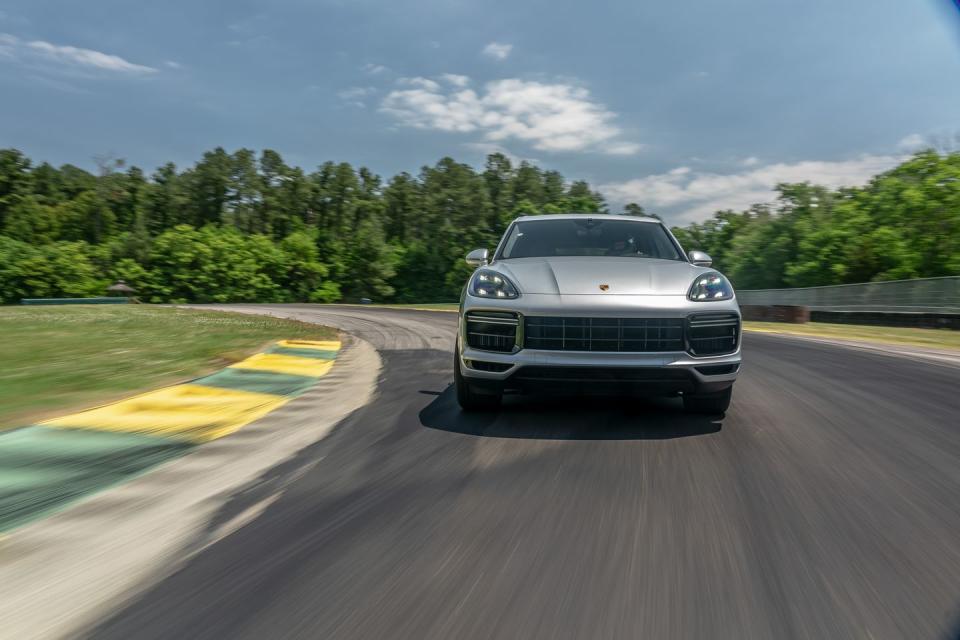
x=585, y=275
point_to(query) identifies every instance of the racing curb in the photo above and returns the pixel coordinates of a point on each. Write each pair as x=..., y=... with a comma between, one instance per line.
x=63, y=573
x=49, y=466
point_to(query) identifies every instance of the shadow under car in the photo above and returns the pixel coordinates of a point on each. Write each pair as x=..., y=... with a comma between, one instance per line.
x=571, y=418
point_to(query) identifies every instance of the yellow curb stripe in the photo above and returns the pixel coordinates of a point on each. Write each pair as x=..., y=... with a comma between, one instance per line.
x=198, y=413
x=187, y=412
x=320, y=345
x=280, y=363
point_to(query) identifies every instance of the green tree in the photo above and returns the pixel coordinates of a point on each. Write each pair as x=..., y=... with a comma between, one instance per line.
x=581, y=198
x=31, y=221
x=57, y=270
x=554, y=187
x=302, y=275
x=369, y=264
x=213, y=265
x=48, y=186
x=527, y=184
x=75, y=181
x=86, y=218
x=633, y=209
x=259, y=229
x=165, y=202
x=207, y=186
x=402, y=208
x=15, y=180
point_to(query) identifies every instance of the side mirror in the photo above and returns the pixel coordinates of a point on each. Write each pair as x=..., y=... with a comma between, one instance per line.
x=477, y=257
x=700, y=258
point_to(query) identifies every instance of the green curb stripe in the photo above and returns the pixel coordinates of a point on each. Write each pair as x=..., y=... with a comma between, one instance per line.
x=43, y=469
x=318, y=354
x=278, y=384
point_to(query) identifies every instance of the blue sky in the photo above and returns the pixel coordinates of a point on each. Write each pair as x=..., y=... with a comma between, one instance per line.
x=684, y=107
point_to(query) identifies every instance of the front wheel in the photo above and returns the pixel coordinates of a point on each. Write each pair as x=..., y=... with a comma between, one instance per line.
x=468, y=399
x=712, y=403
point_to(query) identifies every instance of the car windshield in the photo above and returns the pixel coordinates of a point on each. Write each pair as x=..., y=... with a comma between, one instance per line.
x=588, y=236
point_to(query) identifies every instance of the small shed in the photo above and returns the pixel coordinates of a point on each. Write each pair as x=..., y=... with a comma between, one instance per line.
x=121, y=288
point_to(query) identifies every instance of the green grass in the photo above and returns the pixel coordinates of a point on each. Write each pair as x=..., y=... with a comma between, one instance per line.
x=932, y=338
x=69, y=357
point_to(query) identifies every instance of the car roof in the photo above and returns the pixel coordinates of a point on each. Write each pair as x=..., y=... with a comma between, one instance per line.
x=601, y=216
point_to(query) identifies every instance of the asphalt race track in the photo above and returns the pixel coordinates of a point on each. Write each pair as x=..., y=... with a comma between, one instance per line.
x=826, y=504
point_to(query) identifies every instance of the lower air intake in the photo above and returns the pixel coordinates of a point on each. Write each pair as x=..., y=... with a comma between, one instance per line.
x=492, y=331
x=713, y=334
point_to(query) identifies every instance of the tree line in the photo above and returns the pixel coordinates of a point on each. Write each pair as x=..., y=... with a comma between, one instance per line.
x=905, y=223
x=246, y=227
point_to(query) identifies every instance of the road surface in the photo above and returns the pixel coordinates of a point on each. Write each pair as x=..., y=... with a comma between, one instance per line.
x=826, y=504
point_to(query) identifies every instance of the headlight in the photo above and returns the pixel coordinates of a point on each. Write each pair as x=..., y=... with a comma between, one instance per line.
x=709, y=287
x=490, y=284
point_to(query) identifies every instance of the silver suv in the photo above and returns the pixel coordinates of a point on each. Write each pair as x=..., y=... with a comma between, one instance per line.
x=591, y=303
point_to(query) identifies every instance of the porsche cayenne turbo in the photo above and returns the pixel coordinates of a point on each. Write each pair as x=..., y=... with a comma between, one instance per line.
x=598, y=304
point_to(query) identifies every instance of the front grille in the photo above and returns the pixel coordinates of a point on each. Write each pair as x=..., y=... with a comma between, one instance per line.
x=711, y=334
x=492, y=331
x=604, y=334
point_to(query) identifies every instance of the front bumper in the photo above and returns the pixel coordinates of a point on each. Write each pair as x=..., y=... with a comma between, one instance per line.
x=596, y=372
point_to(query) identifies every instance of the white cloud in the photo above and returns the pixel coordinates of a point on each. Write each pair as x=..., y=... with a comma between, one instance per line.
x=172, y=64
x=8, y=45
x=424, y=83
x=456, y=80
x=87, y=58
x=375, y=69
x=548, y=117
x=752, y=161
x=354, y=95
x=622, y=148
x=498, y=50
x=39, y=50
x=913, y=142
x=695, y=195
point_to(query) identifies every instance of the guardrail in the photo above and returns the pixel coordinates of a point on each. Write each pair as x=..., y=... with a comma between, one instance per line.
x=919, y=296
x=103, y=300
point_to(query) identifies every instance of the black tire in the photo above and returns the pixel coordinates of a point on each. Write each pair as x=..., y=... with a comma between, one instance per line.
x=712, y=403
x=468, y=399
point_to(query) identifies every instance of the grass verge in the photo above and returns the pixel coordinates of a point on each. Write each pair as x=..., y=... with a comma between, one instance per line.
x=70, y=357
x=930, y=338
